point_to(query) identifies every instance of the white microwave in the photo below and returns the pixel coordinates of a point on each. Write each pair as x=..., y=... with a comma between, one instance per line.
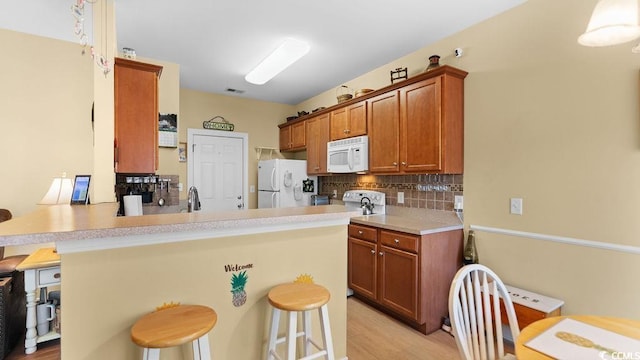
x=348, y=155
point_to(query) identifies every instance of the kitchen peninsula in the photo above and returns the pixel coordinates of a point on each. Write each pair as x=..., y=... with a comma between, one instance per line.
x=115, y=269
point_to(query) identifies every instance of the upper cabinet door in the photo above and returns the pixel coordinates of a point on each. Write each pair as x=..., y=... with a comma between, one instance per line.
x=349, y=121
x=384, y=133
x=136, y=116
x=421, y=126
x=317, y=138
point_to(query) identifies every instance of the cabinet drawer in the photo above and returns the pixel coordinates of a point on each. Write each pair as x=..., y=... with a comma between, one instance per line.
x=49, y=276
x=399, y=241
x=363, y=232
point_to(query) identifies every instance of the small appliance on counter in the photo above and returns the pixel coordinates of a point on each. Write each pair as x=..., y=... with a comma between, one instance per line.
x=319, y=200
x=370, y=202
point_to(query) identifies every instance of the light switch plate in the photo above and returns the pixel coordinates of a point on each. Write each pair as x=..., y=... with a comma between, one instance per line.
x=516, y=206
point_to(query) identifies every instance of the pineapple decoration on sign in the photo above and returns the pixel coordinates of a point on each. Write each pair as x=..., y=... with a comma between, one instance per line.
x=238, y=282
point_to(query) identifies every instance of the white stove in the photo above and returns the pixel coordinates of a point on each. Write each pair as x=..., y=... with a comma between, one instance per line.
x=353, y=200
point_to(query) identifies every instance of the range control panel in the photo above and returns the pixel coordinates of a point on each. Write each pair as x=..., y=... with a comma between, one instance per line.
x=353, y=199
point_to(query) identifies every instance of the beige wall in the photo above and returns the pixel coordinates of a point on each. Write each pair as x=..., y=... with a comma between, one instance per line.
x=46, y=94
x=556, y=124
x=257, y=118
x=128, y=283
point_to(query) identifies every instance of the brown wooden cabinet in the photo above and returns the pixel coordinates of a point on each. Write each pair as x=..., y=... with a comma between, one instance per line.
x=384, y=133
x=403, y=274
x=317, y=133
x=136, y=116
x=292, y=136
x=418, y=128
x=349, y=121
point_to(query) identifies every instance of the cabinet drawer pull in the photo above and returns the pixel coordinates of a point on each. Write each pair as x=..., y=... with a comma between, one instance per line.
x=396, y=241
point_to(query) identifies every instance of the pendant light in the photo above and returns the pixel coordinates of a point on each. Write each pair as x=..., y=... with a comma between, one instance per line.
x=612, y=22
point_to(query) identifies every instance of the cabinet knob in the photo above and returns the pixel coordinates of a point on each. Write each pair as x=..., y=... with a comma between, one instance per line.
x=345, y=131
x=396, y=241
x=395, y=163
x=360, y=232
x=373, y=251
x=380, y=253
x=404, y=163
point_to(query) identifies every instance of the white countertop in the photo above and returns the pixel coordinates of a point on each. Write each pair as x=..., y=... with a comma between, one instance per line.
x=412, y=220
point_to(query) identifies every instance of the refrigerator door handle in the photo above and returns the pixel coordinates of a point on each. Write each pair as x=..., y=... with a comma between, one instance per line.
x=273, y=179
x=273, y=200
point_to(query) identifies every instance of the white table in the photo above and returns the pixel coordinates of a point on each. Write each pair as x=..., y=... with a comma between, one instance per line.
x=41, y=269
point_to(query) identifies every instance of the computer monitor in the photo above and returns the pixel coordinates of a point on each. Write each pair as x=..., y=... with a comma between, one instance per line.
x=80, y=194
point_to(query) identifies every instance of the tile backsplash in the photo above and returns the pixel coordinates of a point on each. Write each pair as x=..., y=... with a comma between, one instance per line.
x=420, y=191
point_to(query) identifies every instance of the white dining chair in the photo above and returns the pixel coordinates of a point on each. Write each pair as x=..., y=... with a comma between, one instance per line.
x=474, y=309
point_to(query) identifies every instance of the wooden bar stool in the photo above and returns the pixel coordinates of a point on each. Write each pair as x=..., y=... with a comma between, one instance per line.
x=294, y=298
x=175, y=326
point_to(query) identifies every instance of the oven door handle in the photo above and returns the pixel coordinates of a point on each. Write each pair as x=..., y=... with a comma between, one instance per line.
x=350, y=157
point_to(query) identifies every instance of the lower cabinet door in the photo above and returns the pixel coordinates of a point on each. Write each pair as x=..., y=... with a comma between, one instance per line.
x=399, y=281
x=362, y=267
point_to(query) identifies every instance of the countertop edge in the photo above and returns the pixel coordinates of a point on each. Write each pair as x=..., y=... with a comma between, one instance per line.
x=212, y=230
x=426, y=229
x=76, y=227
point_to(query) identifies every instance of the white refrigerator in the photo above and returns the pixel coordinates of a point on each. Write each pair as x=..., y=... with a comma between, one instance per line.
x=284, y=183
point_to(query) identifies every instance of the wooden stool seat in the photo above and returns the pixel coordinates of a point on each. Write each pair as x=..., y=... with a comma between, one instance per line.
x=298, y=296
x=175, y=326
x=294, y=298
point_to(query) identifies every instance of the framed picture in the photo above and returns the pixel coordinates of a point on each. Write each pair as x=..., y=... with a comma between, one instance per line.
x=182, y=152
x=168, y=130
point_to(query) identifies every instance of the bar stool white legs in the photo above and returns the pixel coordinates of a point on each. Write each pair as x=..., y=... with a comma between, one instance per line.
x=297, y=298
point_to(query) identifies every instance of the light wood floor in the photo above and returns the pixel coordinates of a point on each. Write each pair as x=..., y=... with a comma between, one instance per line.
x=371, y=335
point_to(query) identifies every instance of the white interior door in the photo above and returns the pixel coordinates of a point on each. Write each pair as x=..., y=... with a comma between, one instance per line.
x=218, y=168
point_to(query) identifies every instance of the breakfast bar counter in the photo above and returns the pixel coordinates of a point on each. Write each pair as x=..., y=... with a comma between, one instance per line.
x=115, y=269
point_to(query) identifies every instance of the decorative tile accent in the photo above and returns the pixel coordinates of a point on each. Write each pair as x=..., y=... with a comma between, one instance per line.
x=435, y=192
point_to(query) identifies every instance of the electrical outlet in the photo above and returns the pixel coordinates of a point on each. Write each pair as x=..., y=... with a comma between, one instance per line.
x=400, y=197
x=335, y=193
x=516, y=206
x=458, y=202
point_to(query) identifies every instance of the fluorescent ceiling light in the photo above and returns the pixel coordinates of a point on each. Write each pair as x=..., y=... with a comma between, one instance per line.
x=612, y=22
x=286, y=54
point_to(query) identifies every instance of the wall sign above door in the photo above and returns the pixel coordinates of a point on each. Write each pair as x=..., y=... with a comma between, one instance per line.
x=224, y=125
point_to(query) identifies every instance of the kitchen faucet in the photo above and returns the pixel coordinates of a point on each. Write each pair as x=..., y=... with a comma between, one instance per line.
x=193, y=200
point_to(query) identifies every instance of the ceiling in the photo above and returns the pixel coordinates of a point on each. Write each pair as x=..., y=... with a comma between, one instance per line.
x=216, y=42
